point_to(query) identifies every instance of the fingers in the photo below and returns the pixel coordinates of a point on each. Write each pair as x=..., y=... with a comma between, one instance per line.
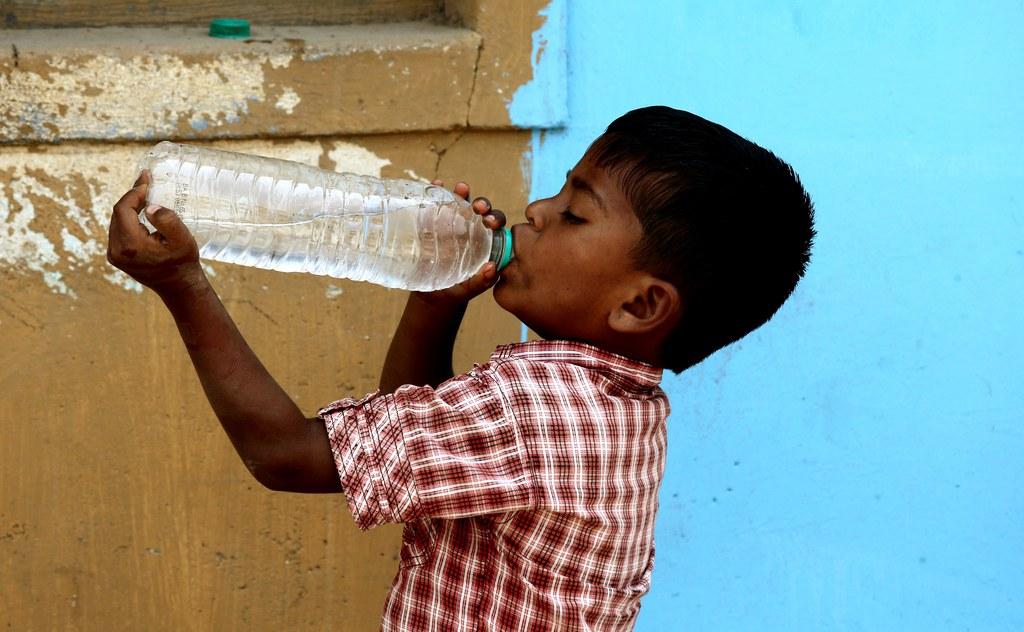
x=489, y=273
x=493, y=218
x=124, y=221
x=135, y=197
x=168, y=224
x=461, y=188
x=144, y=178
x=483, y=279
x=481, y=205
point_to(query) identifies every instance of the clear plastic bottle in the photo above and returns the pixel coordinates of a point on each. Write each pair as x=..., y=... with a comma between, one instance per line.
x=283, y=215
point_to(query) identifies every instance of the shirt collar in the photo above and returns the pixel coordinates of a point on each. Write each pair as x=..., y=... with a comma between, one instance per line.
x=586, y=355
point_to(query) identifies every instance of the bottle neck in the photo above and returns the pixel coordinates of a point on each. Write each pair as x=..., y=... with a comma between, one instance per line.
x=501, y=247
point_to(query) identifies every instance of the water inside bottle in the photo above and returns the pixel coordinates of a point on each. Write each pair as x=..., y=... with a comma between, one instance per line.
x=292, y=217
x=294, y=224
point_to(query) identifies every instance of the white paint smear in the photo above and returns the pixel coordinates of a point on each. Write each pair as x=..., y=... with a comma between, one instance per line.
x=91, y=97
x=333, y=291
x=288, y=100
x=412, y=175
x=350, y=158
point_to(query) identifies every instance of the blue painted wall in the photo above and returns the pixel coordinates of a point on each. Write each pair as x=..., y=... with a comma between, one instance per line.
x=857, y=463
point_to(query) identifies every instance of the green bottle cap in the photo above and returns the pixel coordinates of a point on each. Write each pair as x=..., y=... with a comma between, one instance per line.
x=229, y=28
x=501, y=247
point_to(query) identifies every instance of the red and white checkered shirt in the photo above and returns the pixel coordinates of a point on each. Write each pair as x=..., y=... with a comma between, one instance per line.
x=528, y=489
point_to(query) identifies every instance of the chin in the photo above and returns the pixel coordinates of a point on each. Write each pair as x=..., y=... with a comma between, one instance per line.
x=500, y=294
x=505, y=297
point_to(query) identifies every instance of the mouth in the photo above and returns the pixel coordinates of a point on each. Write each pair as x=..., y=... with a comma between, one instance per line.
x=516, y=243
x=512, y=267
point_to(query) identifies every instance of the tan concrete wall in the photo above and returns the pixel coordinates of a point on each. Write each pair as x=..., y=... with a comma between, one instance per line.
x=122, y=503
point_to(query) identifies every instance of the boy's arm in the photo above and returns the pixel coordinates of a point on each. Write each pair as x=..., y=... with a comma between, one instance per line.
x=281, y=448
x=421, y=349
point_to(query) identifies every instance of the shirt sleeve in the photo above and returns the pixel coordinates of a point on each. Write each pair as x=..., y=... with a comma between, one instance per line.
x=420, y=452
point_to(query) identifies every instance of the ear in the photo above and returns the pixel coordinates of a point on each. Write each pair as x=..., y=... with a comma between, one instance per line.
x=651, y=304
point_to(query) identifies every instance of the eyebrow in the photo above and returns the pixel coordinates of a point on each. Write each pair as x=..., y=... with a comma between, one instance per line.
x=582, y=185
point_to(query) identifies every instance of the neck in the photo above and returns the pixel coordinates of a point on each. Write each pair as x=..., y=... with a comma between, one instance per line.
x=639, y=348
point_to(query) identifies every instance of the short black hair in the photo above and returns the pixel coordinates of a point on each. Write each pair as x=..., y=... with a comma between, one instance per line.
x=727, y=222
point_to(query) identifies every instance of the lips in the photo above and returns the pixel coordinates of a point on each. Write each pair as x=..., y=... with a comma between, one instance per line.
x=517, y=242
x=517, y=255
x=509, y=270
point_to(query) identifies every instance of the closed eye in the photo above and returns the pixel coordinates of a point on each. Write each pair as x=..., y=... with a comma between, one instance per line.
x=569, y=217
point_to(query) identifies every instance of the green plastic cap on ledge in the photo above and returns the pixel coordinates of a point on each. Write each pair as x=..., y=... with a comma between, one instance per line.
x=229, y=28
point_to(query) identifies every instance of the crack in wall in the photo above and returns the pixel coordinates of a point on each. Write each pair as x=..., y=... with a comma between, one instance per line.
x=472, y=86
x=7, y=312
x=442, y=151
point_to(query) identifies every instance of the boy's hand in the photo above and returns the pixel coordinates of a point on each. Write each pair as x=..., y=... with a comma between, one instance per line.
x=166, y=261
x=487, y=275
x=421, y=349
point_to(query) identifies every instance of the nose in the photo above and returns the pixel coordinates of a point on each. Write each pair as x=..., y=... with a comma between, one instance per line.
x=521, y=233
x=534, y=215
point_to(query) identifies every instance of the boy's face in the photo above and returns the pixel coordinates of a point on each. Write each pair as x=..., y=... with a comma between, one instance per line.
x=572, y=258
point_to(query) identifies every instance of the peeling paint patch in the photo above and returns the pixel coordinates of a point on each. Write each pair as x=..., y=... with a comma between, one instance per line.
x=56, y=201
x=171, y=91
x=351, y=158
x=333, y=291
x=542, y=102
x=412, y=175
x=70, y=193
x=288, y=100
x=121, y=279
x=281, y=60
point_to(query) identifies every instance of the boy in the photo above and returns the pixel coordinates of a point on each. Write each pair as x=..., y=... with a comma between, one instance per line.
x=528, y=486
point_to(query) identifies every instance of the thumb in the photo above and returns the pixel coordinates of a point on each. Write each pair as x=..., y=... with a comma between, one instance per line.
x=168, y=223
x=485, y=278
